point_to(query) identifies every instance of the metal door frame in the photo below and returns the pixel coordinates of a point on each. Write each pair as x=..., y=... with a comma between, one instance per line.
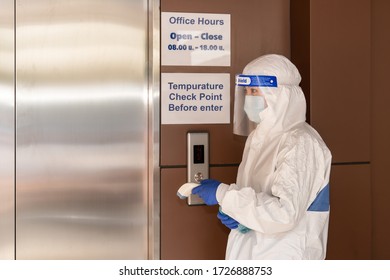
x=154, y=129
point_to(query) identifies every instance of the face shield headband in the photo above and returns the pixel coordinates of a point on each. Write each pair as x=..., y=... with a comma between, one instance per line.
x=256, y=81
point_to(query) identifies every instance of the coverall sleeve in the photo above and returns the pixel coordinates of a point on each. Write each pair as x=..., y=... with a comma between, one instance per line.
x=299, y=175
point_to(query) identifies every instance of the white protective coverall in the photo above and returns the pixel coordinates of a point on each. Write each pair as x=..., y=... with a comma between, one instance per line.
x=284, y=168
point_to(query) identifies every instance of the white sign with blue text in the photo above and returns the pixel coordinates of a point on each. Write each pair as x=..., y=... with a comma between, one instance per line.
x=194, y=39
x=195, y=98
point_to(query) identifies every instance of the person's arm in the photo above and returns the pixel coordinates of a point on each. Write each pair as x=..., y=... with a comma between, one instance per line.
x=298, y=177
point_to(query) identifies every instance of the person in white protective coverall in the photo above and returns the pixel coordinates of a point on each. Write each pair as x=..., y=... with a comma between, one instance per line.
x=282, y=190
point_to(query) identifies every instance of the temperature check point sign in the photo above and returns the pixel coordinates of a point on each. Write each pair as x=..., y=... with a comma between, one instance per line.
x=193, y=39
x=195, y=98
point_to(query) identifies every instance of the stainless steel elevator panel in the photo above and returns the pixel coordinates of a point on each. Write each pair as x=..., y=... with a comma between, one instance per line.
x=7, y=130
x=82, y=129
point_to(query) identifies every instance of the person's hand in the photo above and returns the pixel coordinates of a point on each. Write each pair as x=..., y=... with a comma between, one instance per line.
x=207, y=191
x=227, y=220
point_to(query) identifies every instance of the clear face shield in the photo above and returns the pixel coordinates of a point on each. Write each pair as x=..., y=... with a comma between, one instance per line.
x=250, y=101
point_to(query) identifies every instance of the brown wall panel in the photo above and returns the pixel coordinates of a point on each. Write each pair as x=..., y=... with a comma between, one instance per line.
x=349, y=105
x=331, y=45
x=257, y=27
x=380, y=127
x=340, y=76
x=225, y=148
x=300, y=44
x=191, y=232
x=350, y=213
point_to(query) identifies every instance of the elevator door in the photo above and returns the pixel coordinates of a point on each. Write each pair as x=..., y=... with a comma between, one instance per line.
x=81, y=126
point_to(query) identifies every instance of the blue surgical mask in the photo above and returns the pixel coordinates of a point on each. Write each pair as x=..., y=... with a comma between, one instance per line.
x=253, y=105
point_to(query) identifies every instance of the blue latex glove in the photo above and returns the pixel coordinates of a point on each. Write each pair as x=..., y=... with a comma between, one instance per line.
x=231, y=223
x=227, y=221
x=207, y=191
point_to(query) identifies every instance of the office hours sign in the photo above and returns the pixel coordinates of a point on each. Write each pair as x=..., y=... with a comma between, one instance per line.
x=193, y=39
x=195, y=98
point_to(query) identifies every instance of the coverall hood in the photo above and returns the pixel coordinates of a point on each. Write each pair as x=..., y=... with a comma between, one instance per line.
x=286, y=104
